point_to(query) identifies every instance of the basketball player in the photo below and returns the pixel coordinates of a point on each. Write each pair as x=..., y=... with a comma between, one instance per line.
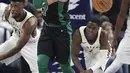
x=24, y=40
x=56, y=36
x=93, y=39
x=123, y=52
x=108, y=27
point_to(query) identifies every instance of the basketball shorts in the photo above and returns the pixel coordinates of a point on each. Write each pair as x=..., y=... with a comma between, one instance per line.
x=92, y=60
x=55, y=42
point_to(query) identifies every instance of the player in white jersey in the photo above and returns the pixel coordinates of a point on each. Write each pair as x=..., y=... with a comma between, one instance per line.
x=93, y=39
x=25, y=37
x=123, y=51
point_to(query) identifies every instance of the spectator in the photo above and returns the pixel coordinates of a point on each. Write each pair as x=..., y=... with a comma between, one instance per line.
x=108, y=27
x=40, y=19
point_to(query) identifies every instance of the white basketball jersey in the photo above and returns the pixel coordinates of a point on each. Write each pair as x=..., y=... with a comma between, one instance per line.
x=18, y=26
x=90, y=49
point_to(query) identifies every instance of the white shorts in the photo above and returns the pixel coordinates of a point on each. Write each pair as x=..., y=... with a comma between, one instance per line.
x=91, y=60
x=123, y=51
x=28, y=52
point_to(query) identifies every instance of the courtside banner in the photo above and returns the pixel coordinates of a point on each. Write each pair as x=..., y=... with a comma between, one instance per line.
x=79, y=12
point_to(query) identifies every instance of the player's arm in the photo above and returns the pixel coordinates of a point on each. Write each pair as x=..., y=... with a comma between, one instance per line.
x=28, y=28
x=121, y=18
x=76, y=49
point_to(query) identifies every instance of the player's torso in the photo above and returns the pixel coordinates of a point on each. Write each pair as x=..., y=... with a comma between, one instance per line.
x=90, y=48
x=57, y=14
x=18, y=26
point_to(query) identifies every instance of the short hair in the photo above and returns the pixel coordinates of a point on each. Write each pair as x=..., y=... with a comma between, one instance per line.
x=95, y=19
x=18, y=1
x=105, y=24
x=104, y=18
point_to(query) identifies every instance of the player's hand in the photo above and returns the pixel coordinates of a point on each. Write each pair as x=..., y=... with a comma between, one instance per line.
x=113, y=52
x=114, y=44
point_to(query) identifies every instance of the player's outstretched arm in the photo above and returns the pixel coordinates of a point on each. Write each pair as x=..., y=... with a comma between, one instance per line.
x=120, y=21
x=28, y=29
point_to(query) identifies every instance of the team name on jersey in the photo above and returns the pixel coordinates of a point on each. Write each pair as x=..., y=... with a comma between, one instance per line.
x=91, y=49
x=16, y=28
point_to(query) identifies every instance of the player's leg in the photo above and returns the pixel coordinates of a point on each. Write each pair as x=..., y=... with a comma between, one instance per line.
x=43, y=61
x=66, y=68
x=96, y=62
x=62, y=38
x=45, y=50
x=125, y=68
x=87, y=59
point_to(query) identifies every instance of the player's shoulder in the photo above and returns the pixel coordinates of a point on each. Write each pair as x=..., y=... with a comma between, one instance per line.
x=82, y=27
x=77, y=33
x=77, y=36
x=30, y=21
x=30, y=17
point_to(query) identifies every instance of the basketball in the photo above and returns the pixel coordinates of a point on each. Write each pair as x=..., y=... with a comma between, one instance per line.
x=102, y=5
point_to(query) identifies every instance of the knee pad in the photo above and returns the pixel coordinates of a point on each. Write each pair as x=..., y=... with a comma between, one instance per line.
x=66, y=68
x=43, y=63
